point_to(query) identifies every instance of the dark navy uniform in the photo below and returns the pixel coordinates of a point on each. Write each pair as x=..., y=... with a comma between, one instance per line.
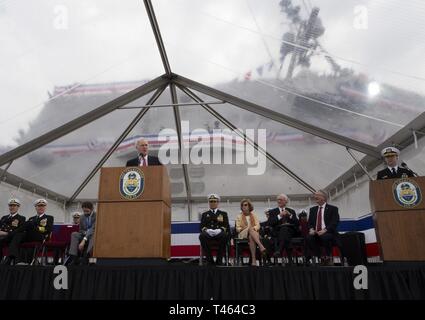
x=399, y=173
x=9, y=224
x=214, y=220
x=396, y=172
x=37, y=229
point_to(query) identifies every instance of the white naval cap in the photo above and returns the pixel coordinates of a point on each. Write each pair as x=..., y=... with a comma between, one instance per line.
x=390, y=151
x=213, y=196
x=14, y=201
x=40, y=201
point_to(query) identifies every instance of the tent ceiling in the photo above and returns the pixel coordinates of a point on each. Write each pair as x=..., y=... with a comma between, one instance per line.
x=311, y=93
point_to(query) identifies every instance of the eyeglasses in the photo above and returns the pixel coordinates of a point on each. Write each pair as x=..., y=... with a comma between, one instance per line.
x=245, y=204
x=213, y=201
x=40, y=205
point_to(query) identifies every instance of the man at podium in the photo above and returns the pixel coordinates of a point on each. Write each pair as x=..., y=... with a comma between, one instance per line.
x=390, y=155
x=143, y=159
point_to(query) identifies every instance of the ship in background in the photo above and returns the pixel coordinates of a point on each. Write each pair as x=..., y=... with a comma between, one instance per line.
x=338, y=101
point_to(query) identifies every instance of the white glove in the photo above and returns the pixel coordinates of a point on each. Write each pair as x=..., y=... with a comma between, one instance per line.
x=210, y=232
x=217, y=231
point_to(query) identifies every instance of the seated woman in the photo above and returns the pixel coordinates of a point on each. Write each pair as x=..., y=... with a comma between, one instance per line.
x=247, y=226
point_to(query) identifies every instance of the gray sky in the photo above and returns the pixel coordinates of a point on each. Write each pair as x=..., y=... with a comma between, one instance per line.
x=51, y=43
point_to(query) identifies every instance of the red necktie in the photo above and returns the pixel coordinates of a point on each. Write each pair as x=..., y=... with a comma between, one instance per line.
x=143, y=162
x=319, y=220
x=282, y=210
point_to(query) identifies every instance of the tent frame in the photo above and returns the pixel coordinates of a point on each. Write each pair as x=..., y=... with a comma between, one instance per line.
x=402, y=138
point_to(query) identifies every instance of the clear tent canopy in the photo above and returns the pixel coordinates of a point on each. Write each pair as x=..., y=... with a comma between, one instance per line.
x=318, y=81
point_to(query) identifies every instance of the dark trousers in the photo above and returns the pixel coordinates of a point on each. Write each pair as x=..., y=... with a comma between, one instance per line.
x=21, y=237
x=286, y=233
x=207, y=242
x=315, y=242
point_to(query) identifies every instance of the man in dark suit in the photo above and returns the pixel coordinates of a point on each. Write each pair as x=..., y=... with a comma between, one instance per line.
x=284, y=222
x=37, y=228
x=392, y=170
x=9, y=223
x=214, y=227
x=322, y=224
x=143, y=159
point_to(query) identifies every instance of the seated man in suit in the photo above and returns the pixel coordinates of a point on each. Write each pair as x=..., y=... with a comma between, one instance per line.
x=36, y=229
x=143, y=159
x=322, y=223
x=214, y=226
x=9, y=223
x=285, y=225
x=84, y=237
x=392, y=170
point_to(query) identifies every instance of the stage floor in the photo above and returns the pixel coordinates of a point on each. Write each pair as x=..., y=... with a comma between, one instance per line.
x=190, y=282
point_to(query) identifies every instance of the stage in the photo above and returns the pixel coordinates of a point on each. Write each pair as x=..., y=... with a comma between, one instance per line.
x=178, y=281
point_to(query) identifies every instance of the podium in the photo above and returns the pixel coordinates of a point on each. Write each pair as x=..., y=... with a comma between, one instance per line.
x=134, y=213
x=399, y=215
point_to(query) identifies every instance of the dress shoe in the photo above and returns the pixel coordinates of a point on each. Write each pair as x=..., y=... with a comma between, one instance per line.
x=209, y=263
x=68, y=260
x=327, y=261
x=84, y=261
x=75, y=261
x=9, y=261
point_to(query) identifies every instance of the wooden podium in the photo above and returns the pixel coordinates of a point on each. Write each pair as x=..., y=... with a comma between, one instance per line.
x=399, y=218
x=133, y=226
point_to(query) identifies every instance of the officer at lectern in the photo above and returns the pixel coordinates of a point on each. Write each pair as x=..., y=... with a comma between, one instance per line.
x=393, y=170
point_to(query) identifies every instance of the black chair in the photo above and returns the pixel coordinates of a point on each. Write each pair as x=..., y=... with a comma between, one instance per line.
x=270, y=242
x=297, y=244
x=214, y=247
x=241, y=247
x=38, y=249
x=336, y=244
x=298, y=250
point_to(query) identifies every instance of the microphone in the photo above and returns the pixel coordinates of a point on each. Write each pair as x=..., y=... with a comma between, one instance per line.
x=404, y=165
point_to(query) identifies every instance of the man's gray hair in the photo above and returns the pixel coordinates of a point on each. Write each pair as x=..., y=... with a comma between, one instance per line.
x=141, y=139
x=323, y=193
x=282, y=195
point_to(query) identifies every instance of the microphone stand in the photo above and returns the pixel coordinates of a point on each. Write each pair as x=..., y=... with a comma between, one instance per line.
x=404, y=165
